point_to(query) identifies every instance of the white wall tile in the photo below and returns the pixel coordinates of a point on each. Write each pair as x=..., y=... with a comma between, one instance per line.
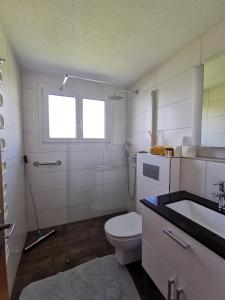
x=173, y=137
x=139, y=103
x=30, y=120
x=119, y=125
x=176, y=89
x=215, y=172
x=48, y=218
x=48, y=200
x=86, y=195
x=86, y=177
x=140, y=141
x=29, y=99
x=139, y=122
x=193, y=174
x=114, y=158
x=115, y=174
x=119, y=138
x=176, y=115
x=80, y=212
x=86, y=159
x=46, y=181
x=31, y=141
x=114, y=191
x=120, y=108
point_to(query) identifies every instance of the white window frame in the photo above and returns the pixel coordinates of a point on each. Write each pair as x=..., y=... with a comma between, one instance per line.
x=79, y=96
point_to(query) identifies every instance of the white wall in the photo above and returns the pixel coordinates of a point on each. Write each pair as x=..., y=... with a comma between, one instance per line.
x=97, y=172
x=13, y=176
x=174, y=81
x=198, y=176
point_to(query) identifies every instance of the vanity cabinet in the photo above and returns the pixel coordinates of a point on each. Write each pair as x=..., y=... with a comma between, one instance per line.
x=169, y=253
x=164, y=277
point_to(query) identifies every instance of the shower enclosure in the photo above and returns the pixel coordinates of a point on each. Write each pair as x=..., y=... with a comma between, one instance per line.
x=91, y=180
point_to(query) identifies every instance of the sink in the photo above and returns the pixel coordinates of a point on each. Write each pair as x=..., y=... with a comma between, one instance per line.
x=200, y=214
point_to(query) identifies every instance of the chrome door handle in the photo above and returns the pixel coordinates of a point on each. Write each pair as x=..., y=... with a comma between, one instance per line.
x=170, y=284
x=7, y=226
x=179, y=294
x=181, y=243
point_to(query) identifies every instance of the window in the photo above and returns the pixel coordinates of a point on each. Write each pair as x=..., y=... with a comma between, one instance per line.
x=62, y=116
x=93, y=119
x=73, y=116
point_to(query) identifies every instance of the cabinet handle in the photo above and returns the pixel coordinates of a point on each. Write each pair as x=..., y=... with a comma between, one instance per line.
x=170, y=234
x=179, y=294
x=170, y=284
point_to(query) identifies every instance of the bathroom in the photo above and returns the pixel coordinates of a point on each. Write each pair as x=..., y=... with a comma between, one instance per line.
x=112, y=134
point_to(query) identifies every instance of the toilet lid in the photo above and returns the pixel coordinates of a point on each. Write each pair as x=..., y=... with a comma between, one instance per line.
x=126, y=225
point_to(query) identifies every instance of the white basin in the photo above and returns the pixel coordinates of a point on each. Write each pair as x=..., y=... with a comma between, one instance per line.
x=200, y=214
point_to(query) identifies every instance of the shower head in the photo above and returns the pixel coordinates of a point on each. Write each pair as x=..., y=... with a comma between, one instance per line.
x=115, y=97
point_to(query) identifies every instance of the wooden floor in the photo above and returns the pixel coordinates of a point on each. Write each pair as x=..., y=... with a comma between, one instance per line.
x=80, y=241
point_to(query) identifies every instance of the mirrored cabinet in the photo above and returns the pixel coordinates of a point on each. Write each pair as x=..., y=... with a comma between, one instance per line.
x=209, y=103
x=213, y=104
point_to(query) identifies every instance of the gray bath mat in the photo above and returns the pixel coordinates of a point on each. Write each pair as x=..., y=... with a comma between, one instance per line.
x=99, y=279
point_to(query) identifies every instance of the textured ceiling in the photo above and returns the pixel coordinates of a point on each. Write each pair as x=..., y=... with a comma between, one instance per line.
x=116, y=40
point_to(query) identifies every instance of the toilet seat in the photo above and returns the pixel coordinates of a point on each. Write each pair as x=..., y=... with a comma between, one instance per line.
x=124, y=226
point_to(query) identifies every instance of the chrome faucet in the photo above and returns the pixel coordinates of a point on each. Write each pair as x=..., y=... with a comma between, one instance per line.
x=220, y=194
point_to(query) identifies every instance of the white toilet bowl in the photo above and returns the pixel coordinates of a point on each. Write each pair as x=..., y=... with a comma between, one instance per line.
x=124, y=234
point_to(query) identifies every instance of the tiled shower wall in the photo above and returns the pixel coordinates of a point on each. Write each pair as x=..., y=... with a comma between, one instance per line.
x=174, y=82
x=94, y=183
x=13, y=167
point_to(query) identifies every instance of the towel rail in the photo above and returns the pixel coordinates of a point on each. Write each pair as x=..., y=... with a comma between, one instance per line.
x=54, y=163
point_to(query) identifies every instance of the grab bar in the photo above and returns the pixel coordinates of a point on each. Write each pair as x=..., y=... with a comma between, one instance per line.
x=55, y=163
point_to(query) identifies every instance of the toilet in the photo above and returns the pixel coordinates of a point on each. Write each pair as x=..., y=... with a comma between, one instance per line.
x=124, y=234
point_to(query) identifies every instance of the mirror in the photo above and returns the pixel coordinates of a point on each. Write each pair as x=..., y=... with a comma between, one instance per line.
x=213, y=108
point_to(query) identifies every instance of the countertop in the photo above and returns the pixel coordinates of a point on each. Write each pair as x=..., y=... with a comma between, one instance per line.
x=209, y=239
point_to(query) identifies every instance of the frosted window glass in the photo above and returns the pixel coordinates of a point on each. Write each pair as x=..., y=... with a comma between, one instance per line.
x=93, y=119
x=62, y=116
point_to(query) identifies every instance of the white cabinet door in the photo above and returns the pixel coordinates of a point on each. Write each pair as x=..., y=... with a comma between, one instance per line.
x=184, y=292
x=163, y=276
x=200, y=268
